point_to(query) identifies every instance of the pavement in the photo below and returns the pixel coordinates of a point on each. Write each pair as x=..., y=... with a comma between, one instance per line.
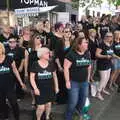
x=97, y=109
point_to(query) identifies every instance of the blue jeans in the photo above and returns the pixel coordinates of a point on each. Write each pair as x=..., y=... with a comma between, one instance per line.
x=76, y=98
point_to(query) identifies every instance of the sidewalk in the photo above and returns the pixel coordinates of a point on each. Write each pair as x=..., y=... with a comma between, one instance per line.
x=97, y=108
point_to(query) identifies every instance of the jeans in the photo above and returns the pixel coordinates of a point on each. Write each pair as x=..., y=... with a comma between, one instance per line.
x=76, y=98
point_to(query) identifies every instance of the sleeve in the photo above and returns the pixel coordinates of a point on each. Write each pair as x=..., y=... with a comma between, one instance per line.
x=10, y=60
x=101, y=46
x=70, y=56
x=33, y=68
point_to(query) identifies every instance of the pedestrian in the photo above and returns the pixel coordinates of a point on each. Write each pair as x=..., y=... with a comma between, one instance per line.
x=7, y=66
x=104, y=54
x=116, y=61
x=44, y=82
x=77, y=67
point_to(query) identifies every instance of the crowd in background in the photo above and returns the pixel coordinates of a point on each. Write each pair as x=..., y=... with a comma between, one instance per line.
x=59, y=62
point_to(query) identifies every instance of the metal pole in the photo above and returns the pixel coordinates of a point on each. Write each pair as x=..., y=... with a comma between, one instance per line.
x=8, y=6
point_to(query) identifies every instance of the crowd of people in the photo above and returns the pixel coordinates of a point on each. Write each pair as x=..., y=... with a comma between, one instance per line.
x=59, y=62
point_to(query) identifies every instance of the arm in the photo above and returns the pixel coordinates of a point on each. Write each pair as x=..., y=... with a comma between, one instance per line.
x=67, y=65
x=15, y=71
x=58, y=64
x=26, y=63
x=55, y=82
x=115, y=56
x=33, y=83
x=21, y=66
x=89, y=73
x=99, y=55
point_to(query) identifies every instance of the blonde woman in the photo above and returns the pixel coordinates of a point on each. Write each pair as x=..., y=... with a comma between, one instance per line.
x=7, y=68
x=42, y=77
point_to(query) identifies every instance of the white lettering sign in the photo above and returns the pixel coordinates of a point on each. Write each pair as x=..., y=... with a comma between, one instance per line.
x=35, y=2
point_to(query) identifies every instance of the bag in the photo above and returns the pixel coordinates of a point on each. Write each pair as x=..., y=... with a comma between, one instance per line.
x=94, y=87
x=86, y=106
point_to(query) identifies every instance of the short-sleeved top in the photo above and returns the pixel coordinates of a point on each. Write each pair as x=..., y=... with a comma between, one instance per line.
x=42, y=75
x=4, y=40
x=105, y=64
x=32, y=58
x=92, y=48
x=18, y=54
x=6, y=73
x=116, y=47
x=79, y=67
x=104, y=29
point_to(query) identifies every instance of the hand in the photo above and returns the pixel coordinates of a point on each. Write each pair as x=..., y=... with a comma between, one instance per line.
x=24, y=87
x=109, y=57
x=26, y=76
x=56, y=90
x=60, y=69
x=36, y=91
x=20, y=69
x=68, y=85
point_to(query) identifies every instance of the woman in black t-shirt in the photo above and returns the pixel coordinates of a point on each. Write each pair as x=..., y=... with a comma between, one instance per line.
x=77, y=75
x=104, y=54
x=44, y=82
x=93, y=44
x=7, y=67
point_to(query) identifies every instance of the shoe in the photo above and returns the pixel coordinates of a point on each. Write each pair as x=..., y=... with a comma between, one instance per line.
x=106, y=92
x=99, y=96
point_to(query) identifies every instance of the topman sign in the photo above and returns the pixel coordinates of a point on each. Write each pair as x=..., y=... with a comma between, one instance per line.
x=40, y=3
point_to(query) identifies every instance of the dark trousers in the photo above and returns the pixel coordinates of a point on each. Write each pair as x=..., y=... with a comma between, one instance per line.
x=11, y=96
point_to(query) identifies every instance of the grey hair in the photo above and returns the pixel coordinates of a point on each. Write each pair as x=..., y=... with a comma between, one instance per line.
x=42, y=51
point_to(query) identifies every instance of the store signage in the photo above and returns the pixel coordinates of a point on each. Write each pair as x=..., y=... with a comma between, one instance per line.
x=40, y=3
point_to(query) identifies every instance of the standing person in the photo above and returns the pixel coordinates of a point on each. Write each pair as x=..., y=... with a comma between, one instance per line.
x=103, y=28
x=4, y=37
x=7, y=67
x=17, y=53
x=34, y=45
x=42, y=77
x=93, y=44
x=63, y=48
x=77, y=75
x=116, y=61
x=104, y=54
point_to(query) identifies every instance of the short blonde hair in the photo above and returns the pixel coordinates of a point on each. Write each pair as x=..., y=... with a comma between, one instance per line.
x=42, y=51
x=91, y=31
x=2, y=47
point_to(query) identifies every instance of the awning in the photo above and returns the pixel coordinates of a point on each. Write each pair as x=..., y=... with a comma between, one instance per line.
x=32, y=11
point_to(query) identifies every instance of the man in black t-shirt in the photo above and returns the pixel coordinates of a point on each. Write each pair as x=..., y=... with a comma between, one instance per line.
x=17, y=53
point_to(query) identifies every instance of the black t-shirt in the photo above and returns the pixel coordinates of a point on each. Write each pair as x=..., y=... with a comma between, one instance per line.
x=116, y=47
x=79, y=67
x=6, y=81
x=18, y=54
x=4, y=40
x=32, y=58
x=42, y=75
x=105, y=64
x=104, y=29
x=92, y=48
